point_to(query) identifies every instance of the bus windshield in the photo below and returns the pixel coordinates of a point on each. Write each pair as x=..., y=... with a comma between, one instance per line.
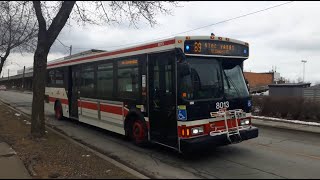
x=234, y=83
x=208, y=78
x=204, y=79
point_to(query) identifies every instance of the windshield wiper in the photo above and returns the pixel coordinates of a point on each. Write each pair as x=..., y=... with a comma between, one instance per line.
x=233, y=84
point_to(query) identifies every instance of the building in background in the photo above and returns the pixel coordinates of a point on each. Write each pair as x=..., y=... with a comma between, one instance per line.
x=288, y=89
x=312, y=92
x=25, y=80
x=258, y=82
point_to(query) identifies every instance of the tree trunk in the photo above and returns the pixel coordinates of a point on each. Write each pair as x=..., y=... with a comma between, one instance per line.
x=39, y=82
x=4, y=58
x=1, y=66
x=45, y=40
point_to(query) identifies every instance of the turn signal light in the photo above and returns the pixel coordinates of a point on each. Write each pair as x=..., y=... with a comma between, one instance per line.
x=184, y=95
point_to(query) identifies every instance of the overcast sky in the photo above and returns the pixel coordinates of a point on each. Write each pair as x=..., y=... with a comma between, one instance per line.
x=280, y=37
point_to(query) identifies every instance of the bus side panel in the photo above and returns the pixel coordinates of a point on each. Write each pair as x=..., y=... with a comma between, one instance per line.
x=101, y=114
x=57, y=94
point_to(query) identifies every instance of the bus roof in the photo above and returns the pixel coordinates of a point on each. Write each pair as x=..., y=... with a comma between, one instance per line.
x=155, y=46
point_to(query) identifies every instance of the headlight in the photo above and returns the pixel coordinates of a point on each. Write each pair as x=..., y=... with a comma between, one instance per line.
x=197, y=130
x=245, y=122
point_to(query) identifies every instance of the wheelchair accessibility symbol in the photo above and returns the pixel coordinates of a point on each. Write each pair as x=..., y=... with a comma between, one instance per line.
x=182, y=114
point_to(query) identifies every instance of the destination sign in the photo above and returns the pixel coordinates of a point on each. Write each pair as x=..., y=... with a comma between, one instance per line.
x=213, y=47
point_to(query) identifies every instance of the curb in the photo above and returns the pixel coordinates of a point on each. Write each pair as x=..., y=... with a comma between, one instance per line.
x=285, y=125
x=298, y=122
x=103, y=156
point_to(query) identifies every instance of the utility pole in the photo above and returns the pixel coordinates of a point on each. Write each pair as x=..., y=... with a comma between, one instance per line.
x=8, y=74
x=304, y=62
x=24, y=69
x=70, y=49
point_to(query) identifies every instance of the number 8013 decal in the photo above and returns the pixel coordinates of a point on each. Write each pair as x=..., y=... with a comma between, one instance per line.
x=220, y=105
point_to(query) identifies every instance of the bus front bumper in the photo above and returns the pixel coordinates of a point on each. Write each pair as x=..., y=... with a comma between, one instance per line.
x=217, y=140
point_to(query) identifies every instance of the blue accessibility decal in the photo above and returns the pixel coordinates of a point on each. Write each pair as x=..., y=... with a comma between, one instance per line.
x=182, y=114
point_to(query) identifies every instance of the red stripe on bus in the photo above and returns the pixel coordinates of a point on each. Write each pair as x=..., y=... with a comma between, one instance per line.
x=111, y=109
x=103, y=108
x=165, y=43
x=64, y=101
x=94, y=106
x=51, y=99
x=89, y=105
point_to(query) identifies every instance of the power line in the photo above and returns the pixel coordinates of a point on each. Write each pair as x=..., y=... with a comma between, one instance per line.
x=62, y=43
x=230, y=19
x=237, y=17
x=66, y=47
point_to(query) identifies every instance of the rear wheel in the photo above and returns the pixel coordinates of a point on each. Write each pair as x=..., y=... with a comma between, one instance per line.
x=58, y=111
x=139, y=133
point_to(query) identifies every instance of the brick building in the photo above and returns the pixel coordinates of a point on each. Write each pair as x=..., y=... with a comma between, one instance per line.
x=258, y=82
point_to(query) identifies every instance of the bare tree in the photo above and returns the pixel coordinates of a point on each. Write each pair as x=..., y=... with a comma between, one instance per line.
x=53, y=16
x=18, y=28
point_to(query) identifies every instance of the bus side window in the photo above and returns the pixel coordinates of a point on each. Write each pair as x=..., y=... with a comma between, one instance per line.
x=59, y=77
x=87, y=87
x=105, y=80
x=128, y=78
x=50, y=77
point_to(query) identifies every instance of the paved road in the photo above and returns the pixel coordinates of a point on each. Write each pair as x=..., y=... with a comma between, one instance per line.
x=274, y=154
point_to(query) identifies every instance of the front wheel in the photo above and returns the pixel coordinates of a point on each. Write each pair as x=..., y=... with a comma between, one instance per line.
x=58, y=111
x=139, y=133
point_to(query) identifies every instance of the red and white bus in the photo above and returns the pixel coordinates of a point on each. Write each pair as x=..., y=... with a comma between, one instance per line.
x=183, y=92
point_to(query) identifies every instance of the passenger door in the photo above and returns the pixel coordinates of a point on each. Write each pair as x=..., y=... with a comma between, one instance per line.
x=74, y=91
x=162, y=98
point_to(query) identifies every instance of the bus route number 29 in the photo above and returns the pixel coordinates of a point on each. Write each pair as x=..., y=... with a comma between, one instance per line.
x=221, y=105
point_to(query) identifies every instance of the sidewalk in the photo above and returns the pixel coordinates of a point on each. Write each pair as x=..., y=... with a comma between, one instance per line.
x=11, y=167
x=286, y=125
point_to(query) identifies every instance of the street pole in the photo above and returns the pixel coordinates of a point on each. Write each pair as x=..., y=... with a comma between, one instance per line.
x=70, y=49
x=8, y=75
x=304, y=62
x=24, y=69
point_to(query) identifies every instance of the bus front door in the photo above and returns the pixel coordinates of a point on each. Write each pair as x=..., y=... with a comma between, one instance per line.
x=73, y=90
x=162, y=98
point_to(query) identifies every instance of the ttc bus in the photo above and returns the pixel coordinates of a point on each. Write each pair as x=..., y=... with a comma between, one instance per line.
x=185, y=92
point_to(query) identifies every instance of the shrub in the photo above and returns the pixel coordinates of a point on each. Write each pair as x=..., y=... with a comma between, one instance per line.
x=287, y=108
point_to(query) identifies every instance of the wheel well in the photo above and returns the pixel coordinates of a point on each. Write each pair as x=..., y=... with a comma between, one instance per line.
x=131, y=116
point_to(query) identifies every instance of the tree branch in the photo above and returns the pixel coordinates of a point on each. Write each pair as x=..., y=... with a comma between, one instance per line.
x=41, y=20
x=59, y=21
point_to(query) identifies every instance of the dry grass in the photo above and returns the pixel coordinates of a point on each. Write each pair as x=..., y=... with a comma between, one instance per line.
x=53, y=156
